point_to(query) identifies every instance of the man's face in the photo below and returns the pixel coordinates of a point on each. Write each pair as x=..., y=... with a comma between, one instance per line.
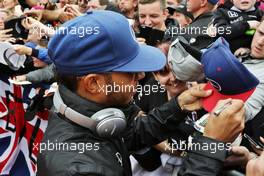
x=257, y=45
x=123, y=88
x=193, y=5
x=152, y=15
x=182, y=20
x=94, y=5
x=167, y=79
x=83, y=5
x=244, y=4
x=67, y=1
x=9, y=4
x=172, y=3
x=127, y=5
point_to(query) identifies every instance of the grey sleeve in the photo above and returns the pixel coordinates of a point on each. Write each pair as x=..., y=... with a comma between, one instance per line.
x=44, y=74
x=254, y=104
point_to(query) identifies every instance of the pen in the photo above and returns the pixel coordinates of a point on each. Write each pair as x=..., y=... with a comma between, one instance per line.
x=221, y=108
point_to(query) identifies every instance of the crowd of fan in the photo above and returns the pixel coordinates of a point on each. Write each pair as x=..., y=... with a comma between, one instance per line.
x=157, y=23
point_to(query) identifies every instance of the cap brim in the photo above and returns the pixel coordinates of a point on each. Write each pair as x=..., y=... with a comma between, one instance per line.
x=148, y=59
x=197, y=54
x=210, y=102
x=184, y=12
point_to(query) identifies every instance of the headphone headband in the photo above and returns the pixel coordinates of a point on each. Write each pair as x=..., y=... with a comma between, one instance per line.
x=107, y=122
x=71, y=114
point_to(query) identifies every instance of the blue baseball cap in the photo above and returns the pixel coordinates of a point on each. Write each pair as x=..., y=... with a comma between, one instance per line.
x=213, y=1
x=101, y=41
x=227, y=77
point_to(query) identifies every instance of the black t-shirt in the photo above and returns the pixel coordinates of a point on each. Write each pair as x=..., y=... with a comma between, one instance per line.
x=152, y=94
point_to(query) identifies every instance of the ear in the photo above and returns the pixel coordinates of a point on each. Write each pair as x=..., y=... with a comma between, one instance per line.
x=93, y=83
x=204, y=3
x=135, y=3
x=189, y=20
x=166, y=13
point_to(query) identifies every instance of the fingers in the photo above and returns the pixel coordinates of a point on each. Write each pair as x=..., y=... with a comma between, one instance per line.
x=255, y=166
x=70, y=15
x=141, y=40
x=262, y=139
x=20, y=78
x=199, y=92
x=192, y=84
x=71, y=11
x=242, y=51
x=35, y=13
x=236, y=106
x=11, y=40
x=228, y=107
x=5, y=31
x=17, y=47
x=221, y=103
x=69, y=8
x=235, y=110
x=5, y=36
x=31, y=12
x=239, y=150
x=237, y=52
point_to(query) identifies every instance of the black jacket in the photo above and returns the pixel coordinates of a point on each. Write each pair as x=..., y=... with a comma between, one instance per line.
x=108, y=157
x=196, y=32
x=234, y=24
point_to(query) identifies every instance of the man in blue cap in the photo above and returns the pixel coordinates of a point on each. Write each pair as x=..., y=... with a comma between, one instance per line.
x=95, y=125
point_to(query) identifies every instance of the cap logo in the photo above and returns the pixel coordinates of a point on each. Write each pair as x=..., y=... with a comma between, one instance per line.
x=232, y=14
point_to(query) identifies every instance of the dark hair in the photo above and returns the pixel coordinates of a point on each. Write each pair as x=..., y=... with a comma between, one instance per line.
x=103, y=2
x=69, y=81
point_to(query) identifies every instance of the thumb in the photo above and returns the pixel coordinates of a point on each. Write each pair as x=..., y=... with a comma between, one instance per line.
x=16, y=47
x=262, y=139
x=198, y=91
x=239, y=151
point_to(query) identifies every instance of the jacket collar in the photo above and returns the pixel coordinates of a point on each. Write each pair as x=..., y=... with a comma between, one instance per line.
x=204, y=15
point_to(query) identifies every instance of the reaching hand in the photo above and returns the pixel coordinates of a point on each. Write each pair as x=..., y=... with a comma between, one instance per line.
x=190, y=99
x=229, y=123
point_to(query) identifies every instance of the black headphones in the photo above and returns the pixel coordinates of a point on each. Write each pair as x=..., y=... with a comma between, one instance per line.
x=109, y=122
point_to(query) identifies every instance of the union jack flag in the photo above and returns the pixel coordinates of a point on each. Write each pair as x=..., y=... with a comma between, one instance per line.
x=19, y=137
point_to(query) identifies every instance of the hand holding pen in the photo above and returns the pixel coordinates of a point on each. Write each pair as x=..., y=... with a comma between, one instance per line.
x=226, y=121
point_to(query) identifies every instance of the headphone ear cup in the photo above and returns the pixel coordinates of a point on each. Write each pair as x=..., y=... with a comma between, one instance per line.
x=110, y=122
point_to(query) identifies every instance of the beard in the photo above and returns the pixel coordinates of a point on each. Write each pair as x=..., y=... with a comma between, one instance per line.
x=117, y=98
